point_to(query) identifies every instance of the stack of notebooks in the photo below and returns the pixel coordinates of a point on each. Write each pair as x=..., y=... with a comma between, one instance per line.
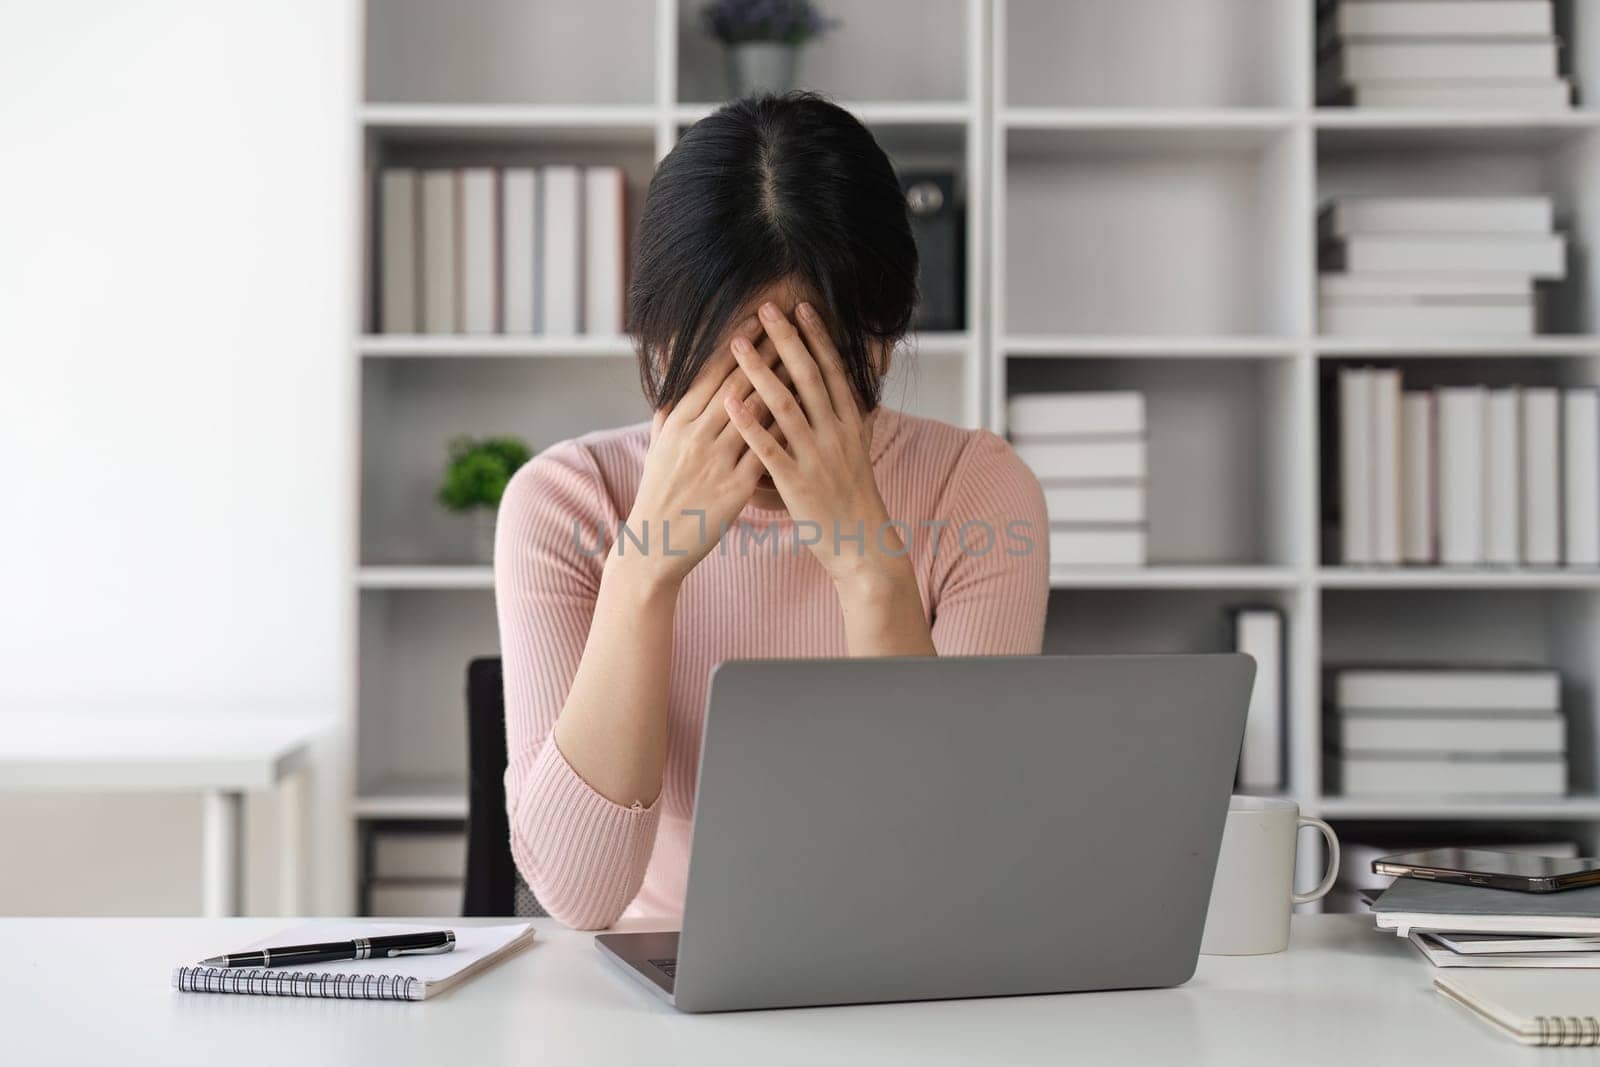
x=1447, y=733
x=1439, y=265
x=518, y=250
x=1467, y=475
x=1088, y=451
x=1507, y=951
x=1461, y=54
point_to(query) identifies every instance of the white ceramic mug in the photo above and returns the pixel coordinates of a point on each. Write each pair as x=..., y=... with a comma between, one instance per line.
x=1253, y=892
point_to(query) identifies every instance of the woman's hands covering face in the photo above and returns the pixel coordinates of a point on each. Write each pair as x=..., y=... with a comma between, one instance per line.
x=698, y=473
x=822, y=465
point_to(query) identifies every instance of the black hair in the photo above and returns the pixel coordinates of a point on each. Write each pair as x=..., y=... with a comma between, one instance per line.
x=763, y=190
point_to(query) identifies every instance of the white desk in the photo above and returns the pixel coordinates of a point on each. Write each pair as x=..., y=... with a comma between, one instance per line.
x=220, y=757
x=1345, y=995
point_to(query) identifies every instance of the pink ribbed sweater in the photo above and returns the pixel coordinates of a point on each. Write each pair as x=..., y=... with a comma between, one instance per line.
x=588, y=859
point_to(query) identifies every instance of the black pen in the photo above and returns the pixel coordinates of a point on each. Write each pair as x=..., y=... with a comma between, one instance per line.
x=362, y=948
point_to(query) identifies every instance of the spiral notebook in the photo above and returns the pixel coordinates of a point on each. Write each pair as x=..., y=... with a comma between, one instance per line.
x=403, y=978
x=1533, y=1007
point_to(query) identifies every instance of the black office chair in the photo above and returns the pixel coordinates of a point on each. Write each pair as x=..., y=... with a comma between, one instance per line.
x=494, y=887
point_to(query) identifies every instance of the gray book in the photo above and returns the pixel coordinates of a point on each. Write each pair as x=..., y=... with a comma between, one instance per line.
x=1414, y=904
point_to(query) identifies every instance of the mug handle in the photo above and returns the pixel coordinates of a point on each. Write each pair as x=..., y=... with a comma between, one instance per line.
x=1333, y=860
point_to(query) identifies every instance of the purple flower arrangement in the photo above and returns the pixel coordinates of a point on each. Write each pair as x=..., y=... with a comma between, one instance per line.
x=791, y=22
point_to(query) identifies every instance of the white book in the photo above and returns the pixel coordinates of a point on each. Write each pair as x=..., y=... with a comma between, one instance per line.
x=1095, y=503
x=1421, y=288
x=440, y=262
x=1541, y=476
x=1348, y=215
x=561, y=227
x=1460, y=776
x=1440, y=954
x=1096, y=546
x=1413, y=690
x=1462, y=417
x=1443, y=18
x=1502, y=489
x=480, y=232
x=1421, y=60
x=1580, y=434
x=1073, y=460
x=1076, y=414
x=1537, y=94
x=1258, y=632
x=1416, y=478
x=397, y=238
x=433, y=855
x=1386, y=518
x=1542, y=256
x=1355, y=465
x=605, y=255
x=1531, y=1008
x=1469, y=317
x=1484, y=732
x=519, y=199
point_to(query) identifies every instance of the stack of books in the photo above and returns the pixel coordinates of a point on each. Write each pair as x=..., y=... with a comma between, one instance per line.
x=1461, y=54
x=1467, y=475
x=515, y=250
x=1440, y=265
x=1088, y=451
x=1455, y=925
x=1447, y=733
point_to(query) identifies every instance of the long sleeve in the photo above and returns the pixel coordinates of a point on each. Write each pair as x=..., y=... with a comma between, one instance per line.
x=583, y=855
x=993, y=560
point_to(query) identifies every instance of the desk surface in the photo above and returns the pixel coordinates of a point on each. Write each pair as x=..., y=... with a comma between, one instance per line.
x=96, y=991
x=165, y=752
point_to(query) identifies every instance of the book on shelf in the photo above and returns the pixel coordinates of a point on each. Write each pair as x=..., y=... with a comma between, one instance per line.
x=479, y=250
x=397, y=251
x=1355, y=732
x=1423, y=287
x=1423, y=59
x=1446, y=689
x=1437, y=18
x=1067, y=459
x=1542, y=256
x=605, y=254
x=1260, y=633
x=1463, y=416
x=1097, y=546
x=1417, y=542
x=1076, y=414
x=1348, y=215
x=1385, y=508
x=1355, y=464
x=519, y=205
x=561, y=225
x=1094, y=503
x=1456, y=775
x=1580, y=467
x=439, y=251
x=1540, y=480
x=1502, y=500
x=1429, y=316
x=1520, y=94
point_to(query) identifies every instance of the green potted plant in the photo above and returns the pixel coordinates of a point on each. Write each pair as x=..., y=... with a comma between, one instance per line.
x=476, y=478
x=761, y=40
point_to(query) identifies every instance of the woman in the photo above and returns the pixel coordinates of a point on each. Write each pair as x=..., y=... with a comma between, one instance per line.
x=771, y=509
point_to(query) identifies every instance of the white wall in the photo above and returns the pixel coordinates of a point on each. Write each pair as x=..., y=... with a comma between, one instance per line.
x=177, y=265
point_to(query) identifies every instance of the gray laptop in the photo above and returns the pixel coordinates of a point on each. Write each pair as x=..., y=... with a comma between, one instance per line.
x=915, y=829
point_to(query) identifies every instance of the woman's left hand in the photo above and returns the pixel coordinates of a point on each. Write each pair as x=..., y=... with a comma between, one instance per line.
x=823, y=467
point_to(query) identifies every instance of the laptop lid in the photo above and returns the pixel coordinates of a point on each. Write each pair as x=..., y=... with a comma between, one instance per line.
x=908, y=829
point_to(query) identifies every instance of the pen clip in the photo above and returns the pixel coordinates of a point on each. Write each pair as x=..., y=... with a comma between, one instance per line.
x=431, y=950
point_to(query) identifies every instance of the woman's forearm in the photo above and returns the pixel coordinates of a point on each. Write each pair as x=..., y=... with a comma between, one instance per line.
x=883, y=613
x=613, y=727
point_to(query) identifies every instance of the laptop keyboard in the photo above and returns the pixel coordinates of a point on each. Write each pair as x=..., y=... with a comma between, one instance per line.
x=667, y=966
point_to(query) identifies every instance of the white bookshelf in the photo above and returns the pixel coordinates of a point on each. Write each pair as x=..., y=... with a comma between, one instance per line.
x=1140, y=178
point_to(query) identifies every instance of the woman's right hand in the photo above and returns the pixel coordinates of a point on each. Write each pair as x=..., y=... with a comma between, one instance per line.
x=698, y=474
